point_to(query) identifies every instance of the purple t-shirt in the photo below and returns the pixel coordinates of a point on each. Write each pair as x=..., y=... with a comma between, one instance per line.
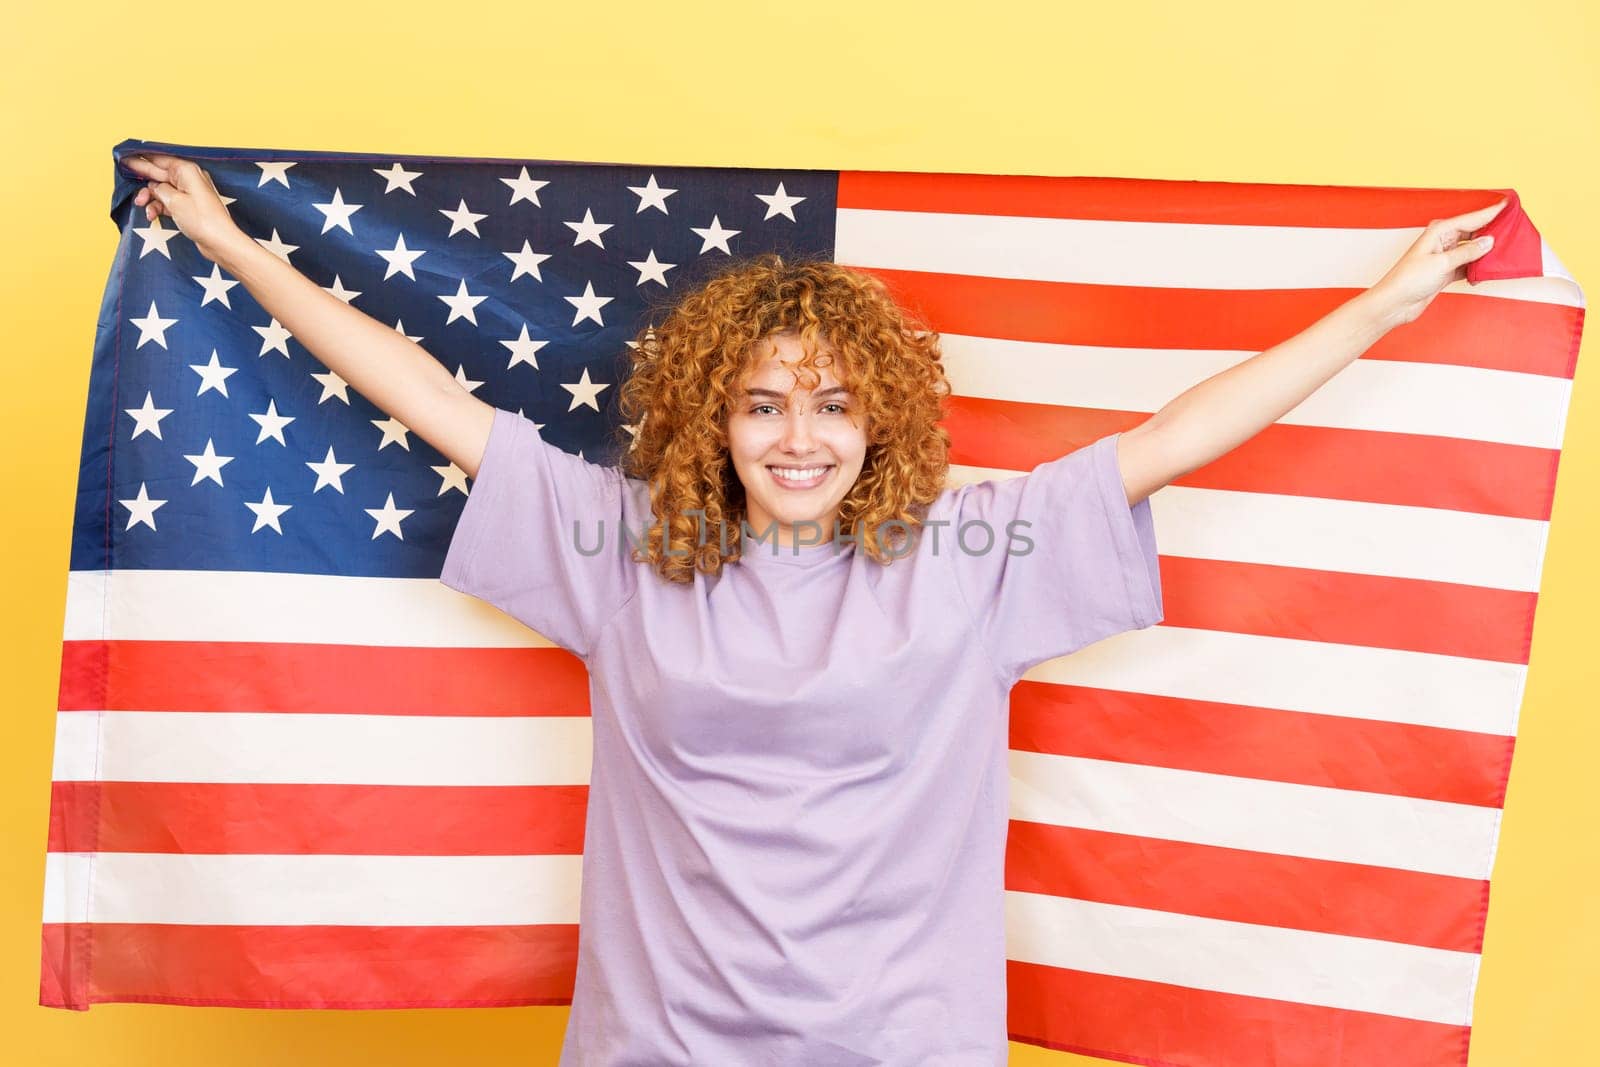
x=798, y=803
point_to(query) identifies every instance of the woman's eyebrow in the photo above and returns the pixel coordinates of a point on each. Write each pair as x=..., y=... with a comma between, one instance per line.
x=830, y=391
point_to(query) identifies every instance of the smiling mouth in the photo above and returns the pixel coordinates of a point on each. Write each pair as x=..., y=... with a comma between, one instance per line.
x=787, y=478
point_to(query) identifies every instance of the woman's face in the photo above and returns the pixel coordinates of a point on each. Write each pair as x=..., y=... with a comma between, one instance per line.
x=776, y=423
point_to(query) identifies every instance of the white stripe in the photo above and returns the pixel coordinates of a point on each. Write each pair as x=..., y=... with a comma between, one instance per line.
x=1553, y=267
x=1320, y=677
x=303, y=749
x=1302, y=966
x=177, y=605
x=1283, y=818
x=1151, y=254
x=1440, y=400
x=1350, y=536
x=292, y=890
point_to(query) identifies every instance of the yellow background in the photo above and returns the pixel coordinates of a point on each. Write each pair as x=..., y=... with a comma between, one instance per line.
x=1460, y=93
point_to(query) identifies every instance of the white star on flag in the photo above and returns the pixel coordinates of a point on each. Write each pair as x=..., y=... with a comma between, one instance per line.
x=277, y=247
x=715, y=236
x=523, y=349
x=267, y=512
x=779, y=203
x=216, y=287
x=274, y=338
x=584, y=391
x=271, y=423
x=141, y=509
x=650, y=270
x=452, y=477
x=213, y=375
x=588, y=230
x=329, y=471
x=652, y=195
x=152, y=328
x=388, y=518
x=397, y=177
x=332, y=386
x=462, y=303
x=400, y=257
x=147, y=418
x=588, y=305
x=527, y=262
x=208, y=464
x=155, y=237
x=463, y=218
x=337, y=289
x=394, y=432
x=525, y=188
x=337, y=213
x=277, y=172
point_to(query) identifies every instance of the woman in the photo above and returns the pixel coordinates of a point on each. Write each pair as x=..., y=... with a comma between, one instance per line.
x=800, y=664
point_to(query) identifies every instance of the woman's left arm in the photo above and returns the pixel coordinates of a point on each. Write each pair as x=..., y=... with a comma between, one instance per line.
x=1227, y=409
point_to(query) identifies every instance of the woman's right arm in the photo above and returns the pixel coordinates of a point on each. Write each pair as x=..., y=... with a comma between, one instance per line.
x=389, y=369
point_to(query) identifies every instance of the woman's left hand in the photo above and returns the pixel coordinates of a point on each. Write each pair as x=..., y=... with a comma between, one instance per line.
x=1437, y=258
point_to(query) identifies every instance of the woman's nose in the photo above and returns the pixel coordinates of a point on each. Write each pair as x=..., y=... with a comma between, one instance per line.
x=797, y=435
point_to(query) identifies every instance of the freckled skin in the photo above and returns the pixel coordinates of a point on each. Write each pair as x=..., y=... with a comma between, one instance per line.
x=797, y=428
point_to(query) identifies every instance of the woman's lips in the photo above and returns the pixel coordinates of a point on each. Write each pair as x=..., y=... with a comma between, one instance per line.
x=810, y=483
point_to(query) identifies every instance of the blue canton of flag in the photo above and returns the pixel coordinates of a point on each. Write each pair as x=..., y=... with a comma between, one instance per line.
x=527, y=279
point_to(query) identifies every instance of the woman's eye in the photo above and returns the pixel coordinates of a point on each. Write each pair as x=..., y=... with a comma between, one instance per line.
x=759, y=408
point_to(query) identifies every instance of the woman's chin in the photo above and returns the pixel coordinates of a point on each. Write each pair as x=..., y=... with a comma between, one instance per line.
x=805, y=521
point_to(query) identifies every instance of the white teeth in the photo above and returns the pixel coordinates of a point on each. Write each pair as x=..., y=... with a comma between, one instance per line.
x=797, y=476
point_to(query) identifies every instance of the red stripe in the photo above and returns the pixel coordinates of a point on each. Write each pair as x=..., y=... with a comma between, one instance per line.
x=1372, y=611
x=311, y=966
x=1415, y=470
x=1237, y=885
x=1453, y=766
x=277, y=819
x=1155, y=1023
x=320, y=679
x=1460, y=329
x=1154, y=200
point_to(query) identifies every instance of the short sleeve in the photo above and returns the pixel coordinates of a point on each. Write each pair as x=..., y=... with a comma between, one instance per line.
x=1070, y=562
x=516, y=545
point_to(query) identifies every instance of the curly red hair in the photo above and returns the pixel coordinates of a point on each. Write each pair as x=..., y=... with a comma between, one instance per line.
x=687, y=372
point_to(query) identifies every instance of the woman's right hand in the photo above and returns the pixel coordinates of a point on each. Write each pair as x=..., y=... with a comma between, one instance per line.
x=179, y=189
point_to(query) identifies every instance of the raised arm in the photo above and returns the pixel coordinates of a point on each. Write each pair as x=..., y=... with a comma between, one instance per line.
x=1217, y=415
x=392, y=371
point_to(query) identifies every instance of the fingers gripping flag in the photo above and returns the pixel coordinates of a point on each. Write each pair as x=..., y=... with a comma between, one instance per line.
x=292, y=769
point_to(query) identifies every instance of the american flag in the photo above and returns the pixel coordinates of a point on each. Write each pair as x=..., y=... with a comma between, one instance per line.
x=294, y=770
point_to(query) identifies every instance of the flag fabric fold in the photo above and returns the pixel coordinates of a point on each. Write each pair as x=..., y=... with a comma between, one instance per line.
x=294, y=770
